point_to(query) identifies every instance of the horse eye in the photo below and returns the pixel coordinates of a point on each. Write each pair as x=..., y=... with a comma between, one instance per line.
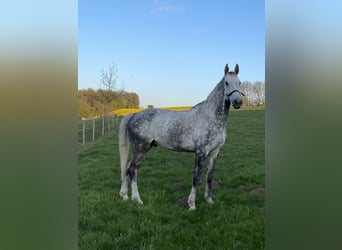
x=227, y=83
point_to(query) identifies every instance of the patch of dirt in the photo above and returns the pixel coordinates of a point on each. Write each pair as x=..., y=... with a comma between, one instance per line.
x=170, y=164
x=215, y=184
x=261, y=210
x=257, y=191
x=176, y=186
x=240, y=188
x=182, y=201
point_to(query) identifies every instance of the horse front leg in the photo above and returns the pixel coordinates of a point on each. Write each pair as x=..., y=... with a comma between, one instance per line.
x=199, y=158
x=210, y=174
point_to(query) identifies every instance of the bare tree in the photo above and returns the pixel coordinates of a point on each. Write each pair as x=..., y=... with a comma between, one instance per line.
x=246, y=88
x=254, y=91
x=258, y=91
x=109, y=77
x=263, y=94
x=108, y=86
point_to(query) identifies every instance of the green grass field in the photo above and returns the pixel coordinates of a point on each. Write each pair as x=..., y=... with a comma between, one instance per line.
x=165, y=178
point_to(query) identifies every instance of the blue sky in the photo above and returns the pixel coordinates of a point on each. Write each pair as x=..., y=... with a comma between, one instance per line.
x=171, y=53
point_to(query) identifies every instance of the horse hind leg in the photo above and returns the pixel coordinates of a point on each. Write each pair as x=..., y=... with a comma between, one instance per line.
x=132, y=172
x=124, y=184
x=135, y=192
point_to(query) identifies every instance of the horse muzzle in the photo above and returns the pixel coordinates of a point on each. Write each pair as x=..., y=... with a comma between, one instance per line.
x=237, y=101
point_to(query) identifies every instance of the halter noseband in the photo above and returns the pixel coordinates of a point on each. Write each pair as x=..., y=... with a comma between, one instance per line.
x=235, y=90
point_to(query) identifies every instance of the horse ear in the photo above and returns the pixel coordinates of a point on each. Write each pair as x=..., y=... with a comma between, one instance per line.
x=236, y=69
x=226, y=69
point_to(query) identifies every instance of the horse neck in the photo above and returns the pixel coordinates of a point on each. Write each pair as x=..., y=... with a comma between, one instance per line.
x=215, y=104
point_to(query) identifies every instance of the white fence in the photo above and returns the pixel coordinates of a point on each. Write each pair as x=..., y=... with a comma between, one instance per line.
x=90, y=129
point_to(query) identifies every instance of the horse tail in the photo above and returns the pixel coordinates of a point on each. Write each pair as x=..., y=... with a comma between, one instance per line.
x=124, y=145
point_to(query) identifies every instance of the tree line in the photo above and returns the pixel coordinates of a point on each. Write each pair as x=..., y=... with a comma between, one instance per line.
x=254, y=93
x=93, y=103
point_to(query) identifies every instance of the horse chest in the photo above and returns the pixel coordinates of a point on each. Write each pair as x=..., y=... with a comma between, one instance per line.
x=217, y=137
x=210, y=137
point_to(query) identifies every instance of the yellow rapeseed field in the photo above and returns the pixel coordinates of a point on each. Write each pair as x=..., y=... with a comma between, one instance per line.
x=124, y=112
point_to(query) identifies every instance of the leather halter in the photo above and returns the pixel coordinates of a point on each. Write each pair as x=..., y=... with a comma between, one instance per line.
x=235, y=90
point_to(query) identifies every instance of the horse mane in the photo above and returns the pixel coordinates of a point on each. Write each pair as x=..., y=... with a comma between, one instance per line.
x=198, y=104
x=213, y=97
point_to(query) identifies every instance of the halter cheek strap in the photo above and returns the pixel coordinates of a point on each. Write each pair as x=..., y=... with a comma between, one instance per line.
x=235, y=90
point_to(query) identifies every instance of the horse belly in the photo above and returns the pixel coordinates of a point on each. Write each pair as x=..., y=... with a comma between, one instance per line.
x=175, y=138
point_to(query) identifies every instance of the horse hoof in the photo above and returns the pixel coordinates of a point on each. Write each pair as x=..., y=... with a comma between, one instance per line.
x=210, y=200
x=192, y=208
x=124, y=196
x=138, y=200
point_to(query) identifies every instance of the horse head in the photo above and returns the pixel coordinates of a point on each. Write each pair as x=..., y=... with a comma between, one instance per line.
x=232, y=83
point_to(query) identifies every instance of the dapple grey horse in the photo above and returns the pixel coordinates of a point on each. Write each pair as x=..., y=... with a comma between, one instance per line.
x=201, y=130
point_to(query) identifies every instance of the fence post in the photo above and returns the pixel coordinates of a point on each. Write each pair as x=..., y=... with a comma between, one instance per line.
x=83, y=136
x=103, y=124
x=113, y=120
x=93, y=129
